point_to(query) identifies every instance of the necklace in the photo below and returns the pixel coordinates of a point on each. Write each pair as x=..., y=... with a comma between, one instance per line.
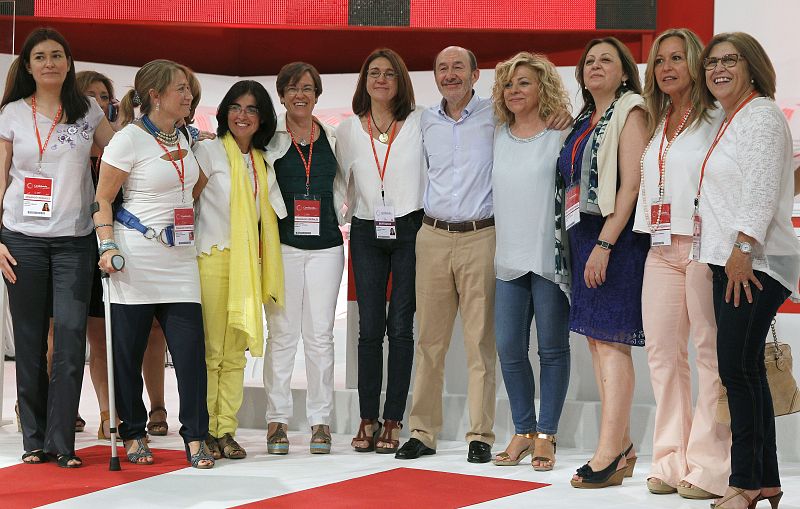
x=383, y=137
x=170, y=139
x=303, y=142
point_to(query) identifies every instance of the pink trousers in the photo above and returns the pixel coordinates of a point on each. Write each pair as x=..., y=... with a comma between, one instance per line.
x=677, y=305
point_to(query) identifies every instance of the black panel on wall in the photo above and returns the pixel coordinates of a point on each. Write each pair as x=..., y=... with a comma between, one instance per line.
x=626, y=14
x=24, y=8
x=392, y=13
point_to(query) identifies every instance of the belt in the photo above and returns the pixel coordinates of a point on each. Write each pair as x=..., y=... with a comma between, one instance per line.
x=466, y=226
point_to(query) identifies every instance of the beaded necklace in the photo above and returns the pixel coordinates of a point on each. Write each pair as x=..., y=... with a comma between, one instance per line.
x=167, y=139
x=662, y=165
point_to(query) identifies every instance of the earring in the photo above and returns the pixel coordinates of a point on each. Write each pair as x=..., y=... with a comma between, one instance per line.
x=625, y=84
x=158, y=106
x=751, y=81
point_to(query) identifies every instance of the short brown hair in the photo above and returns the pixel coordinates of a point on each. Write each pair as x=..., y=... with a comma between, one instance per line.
x=758, y=63
x=291, y=73
x=403, y=102
x=86, y=78
x=628, y=67
x=552, y=95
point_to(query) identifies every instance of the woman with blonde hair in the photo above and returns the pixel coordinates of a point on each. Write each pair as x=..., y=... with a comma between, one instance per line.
x=526, y=91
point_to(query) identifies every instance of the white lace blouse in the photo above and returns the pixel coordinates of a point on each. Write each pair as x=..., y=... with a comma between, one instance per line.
x=748, y=187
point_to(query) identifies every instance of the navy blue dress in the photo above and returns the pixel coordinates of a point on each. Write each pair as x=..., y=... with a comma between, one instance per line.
x=613, y=311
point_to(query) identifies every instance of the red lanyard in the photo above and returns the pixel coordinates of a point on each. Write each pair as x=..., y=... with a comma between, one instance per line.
x=56, y=120
x=720, y=132
x=182, y=171
x=306, y=164
x=575, y=150
x=381, y=171
x=255, y=175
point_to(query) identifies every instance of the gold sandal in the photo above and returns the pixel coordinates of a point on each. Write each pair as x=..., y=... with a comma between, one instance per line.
x=504, y=459
x=544, y=451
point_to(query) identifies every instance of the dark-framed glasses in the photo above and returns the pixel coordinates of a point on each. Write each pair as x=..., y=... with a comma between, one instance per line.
x=729, y=60
x=250, y=111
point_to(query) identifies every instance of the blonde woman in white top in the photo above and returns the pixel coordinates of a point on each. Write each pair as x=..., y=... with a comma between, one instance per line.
x=380, y=150
x=690, y=449
x=746, y=237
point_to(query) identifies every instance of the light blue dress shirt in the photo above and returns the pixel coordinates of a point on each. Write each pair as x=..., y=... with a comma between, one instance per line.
x=459, y=156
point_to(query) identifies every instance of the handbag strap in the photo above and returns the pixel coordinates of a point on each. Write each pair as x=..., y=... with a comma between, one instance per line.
x=778, y=352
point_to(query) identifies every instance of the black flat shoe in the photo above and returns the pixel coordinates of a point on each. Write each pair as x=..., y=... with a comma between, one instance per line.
x=413, y=449
x=609, y=476
x=63, y=461
x=35, y=457
x=479, y=452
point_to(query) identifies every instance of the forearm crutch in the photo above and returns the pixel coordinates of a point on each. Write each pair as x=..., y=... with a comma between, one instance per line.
x=118, y=262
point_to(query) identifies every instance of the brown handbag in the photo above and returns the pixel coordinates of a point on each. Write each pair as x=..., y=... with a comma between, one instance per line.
x=782, y=385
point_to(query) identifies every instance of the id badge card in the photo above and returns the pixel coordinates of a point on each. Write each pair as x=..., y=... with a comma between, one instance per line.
x=697, y=228
x=573, y=206
x=662, y=236
x=385, y=222
x=307, y=209
x=37, y=199
x=184, y=226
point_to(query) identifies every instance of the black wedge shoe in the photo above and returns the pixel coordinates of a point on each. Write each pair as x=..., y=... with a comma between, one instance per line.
x=609, y=476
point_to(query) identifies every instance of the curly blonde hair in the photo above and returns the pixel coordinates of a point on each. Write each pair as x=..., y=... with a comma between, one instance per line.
x=552, y=95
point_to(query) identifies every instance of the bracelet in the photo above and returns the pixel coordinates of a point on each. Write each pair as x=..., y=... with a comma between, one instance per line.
x=102, y=225
x=605, y=245
x=107, y=245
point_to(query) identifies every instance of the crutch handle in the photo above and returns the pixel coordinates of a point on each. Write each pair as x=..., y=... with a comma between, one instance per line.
x=117, y=261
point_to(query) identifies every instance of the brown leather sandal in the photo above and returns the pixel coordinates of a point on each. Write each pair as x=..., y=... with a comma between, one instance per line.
x=389, y=440
x=320, y=439
x=213, y=446
x=230, y=447
x=544, y=451
x=158, y=428
x=368, y=431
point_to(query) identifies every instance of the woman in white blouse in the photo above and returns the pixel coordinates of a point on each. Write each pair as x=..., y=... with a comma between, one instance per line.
x=690, y=449
x=527, y=90
x=745, y=209
x=47, y=127
x=239, y=257
x=154, y=230
x=379, y=149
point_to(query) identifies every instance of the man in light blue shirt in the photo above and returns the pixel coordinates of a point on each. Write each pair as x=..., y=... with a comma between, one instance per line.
x=455, y=257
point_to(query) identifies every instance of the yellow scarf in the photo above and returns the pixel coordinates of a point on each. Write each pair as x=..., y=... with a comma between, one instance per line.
x=248, y=286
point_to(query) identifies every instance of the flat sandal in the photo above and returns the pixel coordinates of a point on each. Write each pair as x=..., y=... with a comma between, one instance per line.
x=230, y=448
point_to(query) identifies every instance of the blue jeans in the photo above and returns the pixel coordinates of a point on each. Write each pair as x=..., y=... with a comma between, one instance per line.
x=517, y=302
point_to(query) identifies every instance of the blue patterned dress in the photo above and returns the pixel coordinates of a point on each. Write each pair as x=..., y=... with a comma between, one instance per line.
x=613, y=311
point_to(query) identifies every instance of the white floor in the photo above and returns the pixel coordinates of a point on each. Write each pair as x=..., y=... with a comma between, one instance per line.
x=261, y=476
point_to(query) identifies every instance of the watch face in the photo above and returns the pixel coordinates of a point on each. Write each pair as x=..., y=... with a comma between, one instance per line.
x=745, y=247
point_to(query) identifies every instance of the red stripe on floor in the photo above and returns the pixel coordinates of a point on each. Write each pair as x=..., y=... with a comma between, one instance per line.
x=402, y=487
x=27, y=486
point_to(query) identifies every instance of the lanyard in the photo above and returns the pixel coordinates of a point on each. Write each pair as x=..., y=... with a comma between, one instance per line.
x=381, y=171
x=575, y=150
x=720, y=132
x=255, y=175
x=42, y=148
x=182, y=171
x=306, y=164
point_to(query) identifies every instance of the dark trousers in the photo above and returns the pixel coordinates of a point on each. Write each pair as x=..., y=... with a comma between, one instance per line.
x=47, y=408
x=374, y=261
x=182, y=323
x=741, y=336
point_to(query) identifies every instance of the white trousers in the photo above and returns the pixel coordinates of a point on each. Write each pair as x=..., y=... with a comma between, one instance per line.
x=312, y=281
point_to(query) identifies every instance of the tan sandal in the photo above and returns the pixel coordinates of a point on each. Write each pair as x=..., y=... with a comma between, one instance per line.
x=320, y=439
x=659, y=487
x=630, y=461
x=213, y=446
x=504, y=459
x=544, y=451
x=278, y=442
x=389, y=440
x=368, y=431
x=737, y=492
x=230, y=448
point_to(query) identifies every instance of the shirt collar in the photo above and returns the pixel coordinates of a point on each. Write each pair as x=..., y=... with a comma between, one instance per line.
x=468, y=109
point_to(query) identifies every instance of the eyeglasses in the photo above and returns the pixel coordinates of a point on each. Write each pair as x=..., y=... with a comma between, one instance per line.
x=250, y=111
x=375, y=74
x=307, y=90
x=729, y=60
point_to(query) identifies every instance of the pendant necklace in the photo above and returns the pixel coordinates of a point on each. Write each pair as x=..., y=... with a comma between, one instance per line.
x=383, y=137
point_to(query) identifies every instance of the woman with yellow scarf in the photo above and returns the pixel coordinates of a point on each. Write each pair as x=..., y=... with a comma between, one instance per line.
x=239, y=252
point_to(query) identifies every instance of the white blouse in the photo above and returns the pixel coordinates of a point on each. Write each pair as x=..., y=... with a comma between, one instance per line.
x=682, y=174
x=65, y=160
x=748, y=187
x=405, y=178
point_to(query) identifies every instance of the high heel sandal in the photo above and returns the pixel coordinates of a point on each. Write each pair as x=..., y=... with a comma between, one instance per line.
x=320, y=439
x=80, y=424
x=278, y=442
x=659, y=487
x=367, y=436
x=544, y=451
x=202, y=454
x=391, y=436
x=504, y=459
x=773, y=500
x=609, y=476
x=142, y=452
x=737, y=492
x=631, y=461
x=101, y=431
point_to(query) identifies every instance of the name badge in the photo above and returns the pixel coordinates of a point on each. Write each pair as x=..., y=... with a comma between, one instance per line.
x=385, y=223
x=184, y=226
x=696, y=230
x=573, y=215
x=663, y=234
x=37, y=198
x=307, y=209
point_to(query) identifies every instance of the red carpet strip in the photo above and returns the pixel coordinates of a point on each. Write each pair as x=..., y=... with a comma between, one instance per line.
x=402, y=488
x=26, y=486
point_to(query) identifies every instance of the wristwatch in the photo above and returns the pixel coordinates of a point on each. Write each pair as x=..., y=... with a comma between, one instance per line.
x=605, y=245
x=744, y=247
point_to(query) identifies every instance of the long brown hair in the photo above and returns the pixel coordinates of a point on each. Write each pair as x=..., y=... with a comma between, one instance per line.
x=403, y=102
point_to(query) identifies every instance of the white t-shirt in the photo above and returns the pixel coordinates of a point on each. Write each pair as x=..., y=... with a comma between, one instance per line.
x=153, y=272
x=405, y=178
x=523, y=186
x=682, y=173
x=65, y=160
x=748, y=187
